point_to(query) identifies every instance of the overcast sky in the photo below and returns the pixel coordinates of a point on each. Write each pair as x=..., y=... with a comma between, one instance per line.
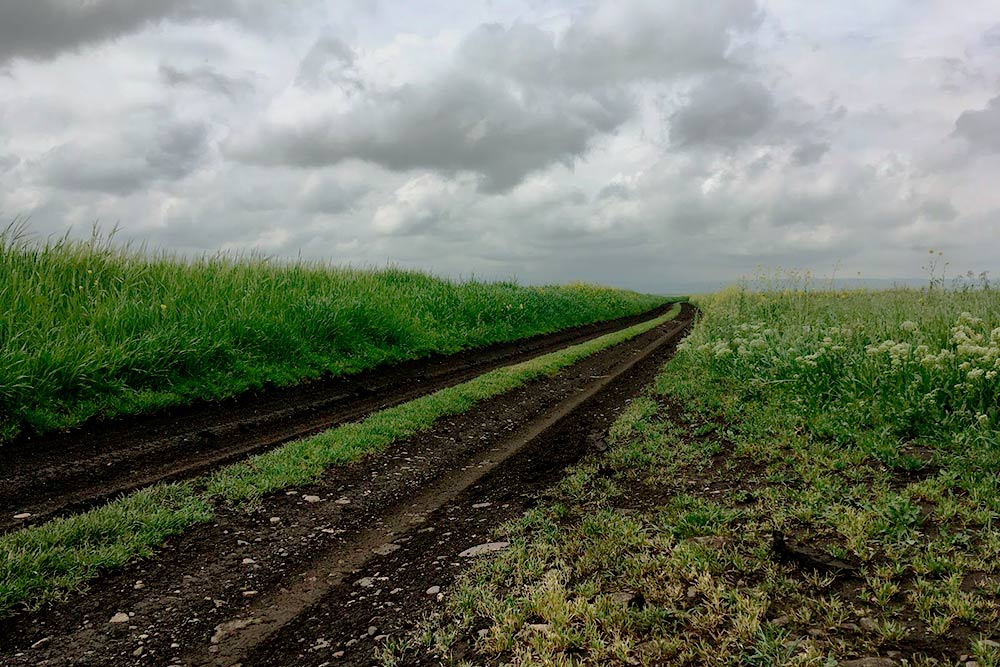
x=644, y=144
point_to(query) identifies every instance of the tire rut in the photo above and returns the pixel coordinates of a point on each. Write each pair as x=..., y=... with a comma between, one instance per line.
x=70, y=472
x=301, y=579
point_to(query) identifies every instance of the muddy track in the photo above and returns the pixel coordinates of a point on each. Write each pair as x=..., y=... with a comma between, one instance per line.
x=335, y=580
x=68, y=472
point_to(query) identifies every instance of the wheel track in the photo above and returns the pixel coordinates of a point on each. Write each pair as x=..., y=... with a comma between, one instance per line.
x=70, y=472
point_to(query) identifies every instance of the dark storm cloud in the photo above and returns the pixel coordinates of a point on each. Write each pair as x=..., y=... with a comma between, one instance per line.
x=981, y=128
x=461, y=123
x=810, y=152
x=723, y=110
x=515, y=101
x=205, y=78
x=42, y=29
x=173, y=152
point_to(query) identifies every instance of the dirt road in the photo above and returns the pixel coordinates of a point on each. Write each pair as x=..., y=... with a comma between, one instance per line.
x=69, y=472
x=329, y=579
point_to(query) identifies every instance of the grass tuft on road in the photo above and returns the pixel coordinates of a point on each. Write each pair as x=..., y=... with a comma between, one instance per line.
x=47, y=562
x=812, y=479
x=88, y=329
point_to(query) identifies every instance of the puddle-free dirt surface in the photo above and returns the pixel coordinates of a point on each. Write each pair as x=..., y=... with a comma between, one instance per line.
x=325, y=575
x=68, y=472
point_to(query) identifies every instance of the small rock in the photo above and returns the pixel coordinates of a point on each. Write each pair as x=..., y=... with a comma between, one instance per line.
x=311, y=499
x=781, y=621
x=249, y=561
x=249, y=594
x=433, y=590
x=139, y=651
x=372, y=630
x=539, y=627
x=223, y=630
x=479, y=506
x=120, y=617
x=337, y=654
x=343, y=501
x=867, y=662
x=692, y=592
x=42, y=642
x=972, y=663
x=483, y=633
x=868, y=624
x=22, y=516
x=365, y=582
x=481, y=549
x=139, y=585
x=275, y=519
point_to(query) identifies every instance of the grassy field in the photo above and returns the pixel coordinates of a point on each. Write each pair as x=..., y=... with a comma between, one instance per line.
x=43, y=563
x=811, y=481
x=87, y=329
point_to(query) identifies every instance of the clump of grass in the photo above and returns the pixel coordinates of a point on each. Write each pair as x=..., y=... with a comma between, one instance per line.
x=87, y=328
x=783, y=411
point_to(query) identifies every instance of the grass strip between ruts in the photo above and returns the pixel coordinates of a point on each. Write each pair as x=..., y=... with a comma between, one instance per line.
x=46, y=562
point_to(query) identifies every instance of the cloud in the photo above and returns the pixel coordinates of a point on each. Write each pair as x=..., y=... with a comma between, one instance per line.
x=810, y=152
x=981, y=128
x=123, y=167
x=515, y=100
x=723, y=110
x=329, y=62
x=419, y=206
x=206, y=78
x=43, y=29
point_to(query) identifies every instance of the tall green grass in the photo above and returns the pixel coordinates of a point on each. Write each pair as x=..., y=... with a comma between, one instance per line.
x=87, y=328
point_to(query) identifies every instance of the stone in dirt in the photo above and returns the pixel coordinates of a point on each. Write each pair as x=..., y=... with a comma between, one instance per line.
x=365, y=582
x=311, y=499
x=481, y=549
x=22, y=516
x=342, y=501
x=479, y=506
x=120, y=617
x=433, y=590
x=42, y=642
x=223, y=630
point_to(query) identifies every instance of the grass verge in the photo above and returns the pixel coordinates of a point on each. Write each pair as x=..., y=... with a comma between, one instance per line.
x=43, y=563
x=90, y=330
x=779, y=497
